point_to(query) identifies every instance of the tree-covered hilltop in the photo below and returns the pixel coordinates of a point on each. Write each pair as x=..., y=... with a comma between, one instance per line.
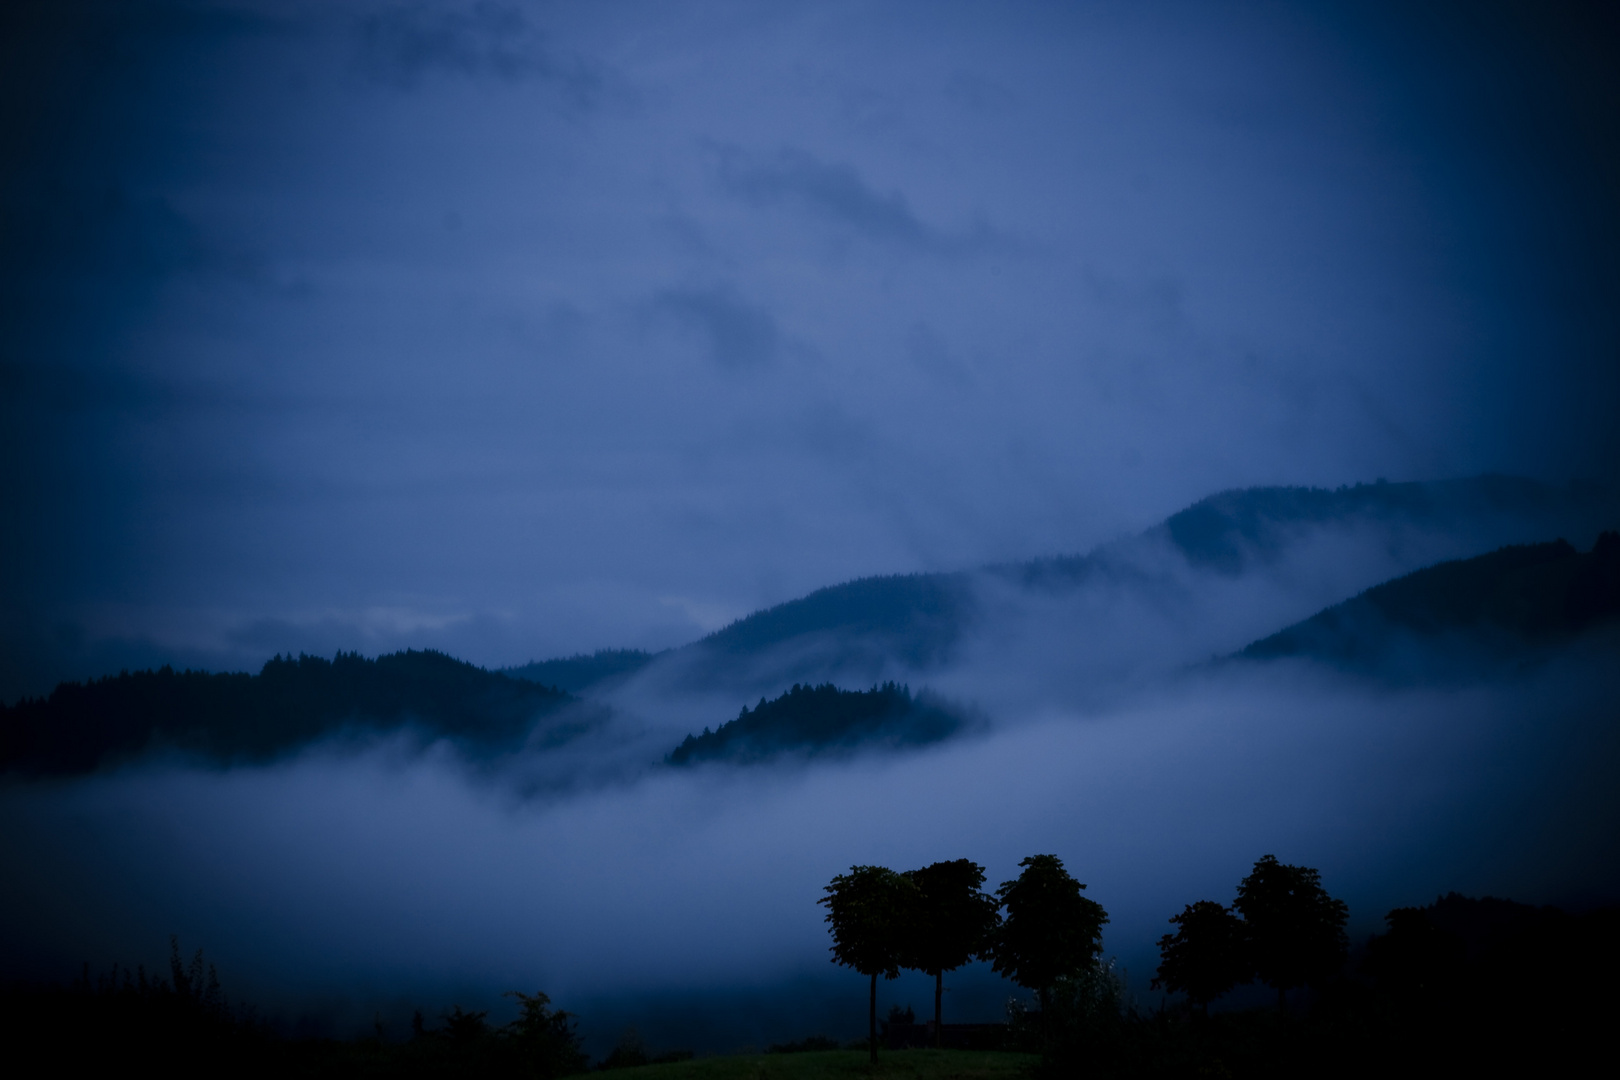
x=290, y=702
x=1521, y=595
x=1230, y=530
x=918, y=617
x=810, y=720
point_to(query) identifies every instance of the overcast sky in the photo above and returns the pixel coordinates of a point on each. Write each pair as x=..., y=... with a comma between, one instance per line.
x=521, y=329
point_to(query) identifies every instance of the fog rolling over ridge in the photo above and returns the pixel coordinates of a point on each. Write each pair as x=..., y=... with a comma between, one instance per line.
x=1061, y=631
x=357, y=876
x=420, y=418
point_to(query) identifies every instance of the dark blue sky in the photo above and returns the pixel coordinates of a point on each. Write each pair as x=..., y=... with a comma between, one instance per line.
x=524, y=329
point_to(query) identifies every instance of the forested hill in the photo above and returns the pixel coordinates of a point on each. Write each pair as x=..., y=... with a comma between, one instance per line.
x=1521, y=595
x=290, y=702
x=861, y=628
x=812, y=720
x=920, y=613
x=919, y=617
x=1227, y=531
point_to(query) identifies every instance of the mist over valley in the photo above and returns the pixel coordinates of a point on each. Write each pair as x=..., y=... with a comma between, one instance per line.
x=452, y=840
x=537, y=497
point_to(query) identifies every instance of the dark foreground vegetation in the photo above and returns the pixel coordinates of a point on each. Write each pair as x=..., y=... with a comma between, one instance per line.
x=290, y=702
x=1462, y=986
x=816, y=720
x=183, y=1025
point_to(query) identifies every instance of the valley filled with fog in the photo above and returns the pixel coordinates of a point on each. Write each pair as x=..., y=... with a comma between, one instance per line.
x=513, y=495
x=359, y=877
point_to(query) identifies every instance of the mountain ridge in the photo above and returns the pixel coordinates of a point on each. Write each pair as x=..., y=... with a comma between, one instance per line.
x=1503, y=602
x=918, y=619
x=234, y=717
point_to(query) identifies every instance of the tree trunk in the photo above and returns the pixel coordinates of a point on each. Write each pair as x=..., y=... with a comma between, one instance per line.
x=939, y=993
x=1282, y=1002
x=871, y=1020
x=1046, y=1013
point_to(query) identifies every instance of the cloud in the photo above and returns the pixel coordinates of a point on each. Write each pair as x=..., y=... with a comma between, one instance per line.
x=403, y=44
x=345, y=874
x=836, y=193
x=739, y=335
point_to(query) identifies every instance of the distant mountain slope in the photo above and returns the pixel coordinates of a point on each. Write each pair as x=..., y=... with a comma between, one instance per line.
x=820, y=720
x=871, y=628
x=572, y=674
x=230, y=717
x=1227, y=531
x=921, y=614
x=918, y=619
x=1525, y=594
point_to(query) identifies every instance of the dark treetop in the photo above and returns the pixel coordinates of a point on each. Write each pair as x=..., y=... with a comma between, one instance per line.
x=1295, y=929
x=1050, y=931
x=953, y=922
x=1207, y=955
x=823, y=719
x=867, y=910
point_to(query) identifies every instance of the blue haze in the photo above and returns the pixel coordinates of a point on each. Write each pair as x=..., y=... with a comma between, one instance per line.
x=520, y=330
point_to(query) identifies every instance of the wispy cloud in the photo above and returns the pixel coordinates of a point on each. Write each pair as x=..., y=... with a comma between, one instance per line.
x=739, y=334
x=403, y=44
x=836, y=193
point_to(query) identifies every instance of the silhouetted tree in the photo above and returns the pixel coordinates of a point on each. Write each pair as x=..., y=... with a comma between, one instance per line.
x=1295, y=929
x=869, y=909
x=953, y=923
x=546, y=1039
x=1207, y=956
x=1050, y=931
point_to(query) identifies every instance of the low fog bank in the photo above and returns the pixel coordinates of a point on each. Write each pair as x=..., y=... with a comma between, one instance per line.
x=1088, y=634
x=352, y=882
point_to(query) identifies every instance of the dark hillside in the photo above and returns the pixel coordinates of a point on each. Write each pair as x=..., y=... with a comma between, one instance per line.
x=861, y=629
x=583, y=670
x=919, y=618
x=922, y=614
x=1520, y=595
x=232, y=717
x=1225, y=531
x=812, y=720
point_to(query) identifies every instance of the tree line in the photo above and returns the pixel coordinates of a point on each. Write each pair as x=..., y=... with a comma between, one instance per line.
x=1036, y=929
x=1040, y=931
x=224, y=717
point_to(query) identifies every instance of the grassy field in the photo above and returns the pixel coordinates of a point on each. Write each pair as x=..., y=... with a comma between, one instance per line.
x=839, y=1064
